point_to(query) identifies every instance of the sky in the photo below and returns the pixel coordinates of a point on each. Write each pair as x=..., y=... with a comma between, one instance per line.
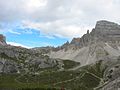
x=36, y=23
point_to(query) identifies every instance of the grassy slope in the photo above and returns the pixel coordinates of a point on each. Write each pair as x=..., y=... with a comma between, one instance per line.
x=70, y=64
x=86, y=78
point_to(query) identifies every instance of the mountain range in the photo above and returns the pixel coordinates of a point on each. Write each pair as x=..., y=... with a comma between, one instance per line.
x=101, y=42
x=91, y=62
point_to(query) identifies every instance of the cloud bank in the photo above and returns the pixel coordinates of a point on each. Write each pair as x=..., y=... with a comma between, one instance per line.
x=61, y=18
x=17, y=44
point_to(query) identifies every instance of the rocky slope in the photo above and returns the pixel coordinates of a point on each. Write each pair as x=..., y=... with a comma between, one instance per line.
x=16, y=59
x=21, y=60
x=22, y=68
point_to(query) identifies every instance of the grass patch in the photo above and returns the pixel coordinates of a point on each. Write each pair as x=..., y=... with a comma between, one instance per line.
x=70, y=64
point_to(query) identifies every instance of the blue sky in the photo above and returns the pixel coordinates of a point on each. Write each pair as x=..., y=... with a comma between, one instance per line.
x=34, y=39
x=35, y=23
x=28, y=37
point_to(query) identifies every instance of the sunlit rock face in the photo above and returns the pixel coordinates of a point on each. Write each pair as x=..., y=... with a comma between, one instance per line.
x=108, y=31
x=2, y=40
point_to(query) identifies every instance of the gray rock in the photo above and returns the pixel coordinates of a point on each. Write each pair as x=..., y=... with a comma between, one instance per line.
x=2, y=40
x=17, y=59
x=112, y=77
x=9, y=67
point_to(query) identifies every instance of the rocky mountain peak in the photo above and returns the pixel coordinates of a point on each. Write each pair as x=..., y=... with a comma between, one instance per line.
x=106, y=25
x=2, y=40
x=75, y=41
x=105, y=31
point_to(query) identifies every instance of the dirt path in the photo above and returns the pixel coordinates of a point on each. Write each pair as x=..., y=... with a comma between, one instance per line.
x=69, y=79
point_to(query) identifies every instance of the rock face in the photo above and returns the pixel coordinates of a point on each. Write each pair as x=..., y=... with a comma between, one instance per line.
x=102, y=41
x=104, y=31
x=2, y=40
x=108, y=31
x=111, y=77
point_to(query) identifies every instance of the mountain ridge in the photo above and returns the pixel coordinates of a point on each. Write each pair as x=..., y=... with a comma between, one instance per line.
x=104, y=30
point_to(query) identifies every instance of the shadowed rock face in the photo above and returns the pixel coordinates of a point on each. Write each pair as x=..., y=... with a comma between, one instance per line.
x=2, y=40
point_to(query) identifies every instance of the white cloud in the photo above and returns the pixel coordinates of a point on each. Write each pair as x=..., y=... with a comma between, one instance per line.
x=17, y=44
x=58, y=28
x=47, y=36
x=63, y=18
x=14, y=32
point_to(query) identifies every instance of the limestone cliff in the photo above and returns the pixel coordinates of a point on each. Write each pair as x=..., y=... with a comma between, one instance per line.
x=104, y=31
x=102, y=41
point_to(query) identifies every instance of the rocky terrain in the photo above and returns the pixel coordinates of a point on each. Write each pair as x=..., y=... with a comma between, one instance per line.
x=16, y=59
x=91, y=62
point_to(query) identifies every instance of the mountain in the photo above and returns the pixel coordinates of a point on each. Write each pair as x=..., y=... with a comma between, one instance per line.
x=98, y=52
x=101, y=42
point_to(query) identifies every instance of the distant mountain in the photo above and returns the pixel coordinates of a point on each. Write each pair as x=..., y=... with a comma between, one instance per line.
x=16, y=59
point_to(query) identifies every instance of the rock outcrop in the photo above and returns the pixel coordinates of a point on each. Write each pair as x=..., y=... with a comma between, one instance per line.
x=111, y=75
x=2, y=40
